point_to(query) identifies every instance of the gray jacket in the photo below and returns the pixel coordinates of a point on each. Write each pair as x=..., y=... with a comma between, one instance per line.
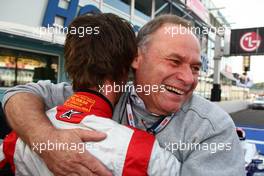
x=201, y=135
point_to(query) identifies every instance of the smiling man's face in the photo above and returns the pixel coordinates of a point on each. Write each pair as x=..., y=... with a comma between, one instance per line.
x=173, y=61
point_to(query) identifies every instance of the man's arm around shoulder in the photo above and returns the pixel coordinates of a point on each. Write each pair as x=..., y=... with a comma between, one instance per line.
x=26, y=115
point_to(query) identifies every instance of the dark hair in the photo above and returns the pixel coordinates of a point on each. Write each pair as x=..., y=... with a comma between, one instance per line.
x=105, y=54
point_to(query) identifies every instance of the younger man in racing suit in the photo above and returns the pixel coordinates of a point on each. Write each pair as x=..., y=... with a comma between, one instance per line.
x=93, y=61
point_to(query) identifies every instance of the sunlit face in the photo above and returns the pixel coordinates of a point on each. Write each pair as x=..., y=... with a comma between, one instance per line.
x=172, y=61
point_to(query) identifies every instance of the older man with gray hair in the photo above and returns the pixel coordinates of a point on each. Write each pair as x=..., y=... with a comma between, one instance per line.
x=201, y=135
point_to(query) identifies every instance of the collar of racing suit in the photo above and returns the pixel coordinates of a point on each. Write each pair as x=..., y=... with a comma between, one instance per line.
x=99, y=95
x=83, y=103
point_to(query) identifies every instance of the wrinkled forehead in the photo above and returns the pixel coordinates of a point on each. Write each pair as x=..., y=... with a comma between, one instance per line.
x=175, y=34
x=172, y=34
x=167, y=42
x=175, y=30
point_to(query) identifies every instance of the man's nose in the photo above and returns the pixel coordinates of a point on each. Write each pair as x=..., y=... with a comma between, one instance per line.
x=185, y=75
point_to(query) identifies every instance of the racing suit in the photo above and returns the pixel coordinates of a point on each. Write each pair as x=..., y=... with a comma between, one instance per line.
x=125, y=151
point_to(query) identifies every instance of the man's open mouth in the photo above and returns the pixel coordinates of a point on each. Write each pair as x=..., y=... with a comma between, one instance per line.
x=174, y=90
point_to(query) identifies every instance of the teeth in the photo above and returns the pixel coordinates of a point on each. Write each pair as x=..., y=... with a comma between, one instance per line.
x=175, y=90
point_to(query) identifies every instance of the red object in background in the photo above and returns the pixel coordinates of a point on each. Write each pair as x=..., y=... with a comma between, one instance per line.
x=250, y=41
x=247, y=41
x=198, y=8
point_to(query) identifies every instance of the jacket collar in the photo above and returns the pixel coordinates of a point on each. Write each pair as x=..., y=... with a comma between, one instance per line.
x=91, y=103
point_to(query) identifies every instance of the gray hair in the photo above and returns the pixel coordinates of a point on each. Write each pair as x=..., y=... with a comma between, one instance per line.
x=144, y=34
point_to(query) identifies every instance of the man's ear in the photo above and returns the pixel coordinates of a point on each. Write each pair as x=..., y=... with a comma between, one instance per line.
x=136, y=62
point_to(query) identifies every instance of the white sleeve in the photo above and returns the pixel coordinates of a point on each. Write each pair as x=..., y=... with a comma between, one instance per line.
x=113, y=151
x=162, y=162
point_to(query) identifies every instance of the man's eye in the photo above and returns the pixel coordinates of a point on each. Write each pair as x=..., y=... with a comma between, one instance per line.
x=177, y=62
x=196, y=68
